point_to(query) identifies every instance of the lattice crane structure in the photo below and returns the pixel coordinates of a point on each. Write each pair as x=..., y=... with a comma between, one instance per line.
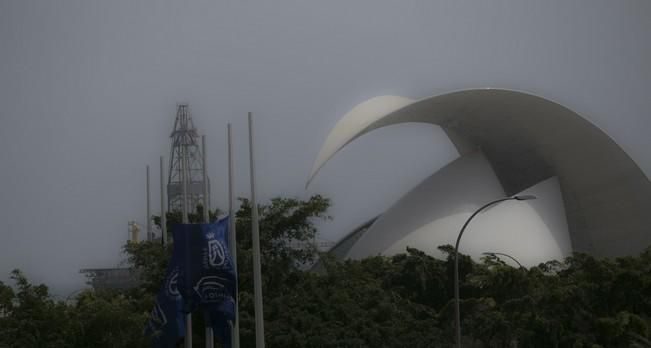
x=185, y=156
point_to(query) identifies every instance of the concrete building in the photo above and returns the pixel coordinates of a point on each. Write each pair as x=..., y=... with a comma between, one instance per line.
x=592, y=196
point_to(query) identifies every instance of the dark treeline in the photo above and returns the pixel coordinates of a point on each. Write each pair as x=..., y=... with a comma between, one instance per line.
x=400, y=301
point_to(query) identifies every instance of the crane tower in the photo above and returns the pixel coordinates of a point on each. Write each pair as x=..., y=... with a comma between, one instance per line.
x=185, y=156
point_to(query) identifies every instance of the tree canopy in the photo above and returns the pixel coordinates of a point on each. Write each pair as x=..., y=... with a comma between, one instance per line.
x=404, y=300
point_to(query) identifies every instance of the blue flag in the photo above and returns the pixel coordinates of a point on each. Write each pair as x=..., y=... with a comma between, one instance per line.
x=166, y=324
x=207, y=279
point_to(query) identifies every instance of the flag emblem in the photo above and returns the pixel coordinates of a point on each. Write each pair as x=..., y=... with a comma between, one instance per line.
x=216, y=253
x=211, y=289
x=172, y=283
x=158, y=318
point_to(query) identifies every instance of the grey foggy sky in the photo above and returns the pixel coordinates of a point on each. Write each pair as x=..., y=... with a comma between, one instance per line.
x=88, y=92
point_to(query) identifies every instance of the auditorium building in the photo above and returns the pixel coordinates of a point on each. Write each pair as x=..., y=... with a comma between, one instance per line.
x=591, y=196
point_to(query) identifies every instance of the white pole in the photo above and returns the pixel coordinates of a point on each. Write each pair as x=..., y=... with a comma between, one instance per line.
x=232, y=239
x=210, y=341
x=148, y=209
x=188, y=316
x=206, y=213
x=163, y=218
x=209, y=205
x=188, y=330
x=184, y=186
x=255, y=231
x=209, y=337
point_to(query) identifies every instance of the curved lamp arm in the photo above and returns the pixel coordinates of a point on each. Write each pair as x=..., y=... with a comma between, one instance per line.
x=507, y=255
x=456, y=257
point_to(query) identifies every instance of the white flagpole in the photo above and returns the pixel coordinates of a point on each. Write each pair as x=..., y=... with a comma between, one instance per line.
x=208, y=205
x=188, y=316
x=210, y=341
x=163, y=218
x=232, y=239
x=184, y=187
x=255, y=231
x=148, y=209
x=206, y=213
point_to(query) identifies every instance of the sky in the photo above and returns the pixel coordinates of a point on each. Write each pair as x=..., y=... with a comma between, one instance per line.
x=88, y=91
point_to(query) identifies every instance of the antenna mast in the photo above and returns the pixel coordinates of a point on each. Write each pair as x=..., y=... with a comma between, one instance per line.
x=185, y=147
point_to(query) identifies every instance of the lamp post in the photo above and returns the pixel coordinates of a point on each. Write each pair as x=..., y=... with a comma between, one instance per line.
x=493, y=254
x=456, y=258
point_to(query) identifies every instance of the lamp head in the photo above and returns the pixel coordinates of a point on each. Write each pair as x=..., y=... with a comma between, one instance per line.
x=524, y=197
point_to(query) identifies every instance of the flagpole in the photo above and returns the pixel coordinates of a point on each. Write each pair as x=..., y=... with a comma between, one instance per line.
x=184, y=188
x=188, y=316
x=148, y=209
x=206, y=213
x=232, y=239
x=163, y=217
x=208, y=205
x=210, y=341
x=255, y=231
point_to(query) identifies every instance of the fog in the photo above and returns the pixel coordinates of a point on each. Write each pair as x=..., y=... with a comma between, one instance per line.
x=88, y=91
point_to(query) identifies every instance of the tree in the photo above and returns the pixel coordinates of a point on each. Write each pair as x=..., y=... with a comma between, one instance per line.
x=397, y=301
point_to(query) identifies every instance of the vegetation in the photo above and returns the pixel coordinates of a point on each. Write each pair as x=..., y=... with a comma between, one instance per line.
x=400, y=301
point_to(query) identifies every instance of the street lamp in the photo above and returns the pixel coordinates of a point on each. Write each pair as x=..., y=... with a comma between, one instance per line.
x=493, y=254
x=456, y=258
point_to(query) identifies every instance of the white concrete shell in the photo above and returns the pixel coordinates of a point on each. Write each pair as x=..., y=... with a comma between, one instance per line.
x=527, y=140
x=432, y=212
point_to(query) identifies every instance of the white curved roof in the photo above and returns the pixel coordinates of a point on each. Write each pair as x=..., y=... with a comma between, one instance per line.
x=350, y=126
x=528, y=139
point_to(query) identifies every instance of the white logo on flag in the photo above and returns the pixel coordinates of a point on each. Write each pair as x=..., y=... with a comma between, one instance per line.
x=158, y=316
x=216, y=253
x=211, y=289
x=172, y=283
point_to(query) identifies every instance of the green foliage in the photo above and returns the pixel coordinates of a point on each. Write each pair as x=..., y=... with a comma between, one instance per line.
x=108, y=319
x=30, y=316
x=151, y=260
x=347, y=307
x=401, y=301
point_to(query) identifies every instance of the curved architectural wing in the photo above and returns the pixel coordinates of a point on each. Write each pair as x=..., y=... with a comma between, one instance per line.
x=527, y=140
x=351, y=125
